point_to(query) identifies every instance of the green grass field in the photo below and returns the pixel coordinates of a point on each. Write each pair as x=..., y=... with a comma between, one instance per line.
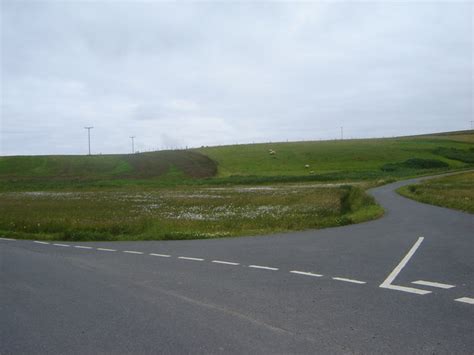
x=456, y=191
x=348, y=160
x=181, y=213
x=348, y=156
x=216, y=191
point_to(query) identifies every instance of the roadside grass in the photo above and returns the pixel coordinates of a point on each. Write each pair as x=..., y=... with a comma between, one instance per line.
x=456, y=191
x=185, y=213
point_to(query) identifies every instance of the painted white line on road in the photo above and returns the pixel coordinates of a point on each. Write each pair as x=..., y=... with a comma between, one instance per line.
x=162, y=255
x=38, y=242
x=132, y=252
x=349, y=280
x=465, y=300
x=306, y=273
x=189, y=258
x=408, y=289
x=263, y=267
x=432, y=284
x=391, y=277
x=82, y=247
x=224, y=262
x=61, y=245
x=105, y=249
x=9, y=239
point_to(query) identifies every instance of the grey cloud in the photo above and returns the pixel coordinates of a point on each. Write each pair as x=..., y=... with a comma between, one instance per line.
x=213, y=73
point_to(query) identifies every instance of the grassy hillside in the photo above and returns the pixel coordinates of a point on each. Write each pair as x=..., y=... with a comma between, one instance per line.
x=362, y=156
x=348, y=160
x=62, y=170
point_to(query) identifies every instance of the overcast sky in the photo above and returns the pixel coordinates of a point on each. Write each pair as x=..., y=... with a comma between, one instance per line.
x=209, y=73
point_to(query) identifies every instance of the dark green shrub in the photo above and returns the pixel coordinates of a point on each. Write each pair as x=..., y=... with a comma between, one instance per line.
x=465, y=156
x=416, y=163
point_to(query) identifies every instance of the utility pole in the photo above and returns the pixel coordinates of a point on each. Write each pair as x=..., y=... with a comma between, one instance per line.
x=89, y=137
x=133, y=144
x=342, y=133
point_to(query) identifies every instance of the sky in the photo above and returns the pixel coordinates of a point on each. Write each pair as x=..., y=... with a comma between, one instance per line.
x=190, y=74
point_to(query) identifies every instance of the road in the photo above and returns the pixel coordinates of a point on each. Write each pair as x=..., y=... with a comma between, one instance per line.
x=401, y=284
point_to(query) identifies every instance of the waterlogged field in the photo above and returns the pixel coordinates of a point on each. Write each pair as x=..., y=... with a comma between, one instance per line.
x=181, y=213
x=456, y=191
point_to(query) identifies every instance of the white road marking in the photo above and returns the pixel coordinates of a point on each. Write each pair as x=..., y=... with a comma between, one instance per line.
x=81, y=247
x=189, y=258
x=465, y=300
x=132, y=252
x=263, y=267
x=432, y=284
x=9, y=239
x=306, y=273
x=349, y=280
x=62, y=245
x=162, y=255
x=390, y=278
x=224, y=262
x=38, y=242
x=105, y=249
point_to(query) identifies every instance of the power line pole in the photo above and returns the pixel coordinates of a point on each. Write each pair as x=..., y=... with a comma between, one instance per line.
x=89, y=137
x=342, y=133
x=133, y=144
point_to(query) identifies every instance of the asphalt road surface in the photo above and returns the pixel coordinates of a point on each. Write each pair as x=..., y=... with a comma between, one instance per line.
x=400, y=284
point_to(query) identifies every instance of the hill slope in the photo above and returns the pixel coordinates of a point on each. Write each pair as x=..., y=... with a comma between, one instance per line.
x=187, y=164
x=348, y=160
x=362, y=155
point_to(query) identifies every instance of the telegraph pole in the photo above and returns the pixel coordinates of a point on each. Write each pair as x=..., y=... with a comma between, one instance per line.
x=342, y=133
x=89, y=137
x=133, y=144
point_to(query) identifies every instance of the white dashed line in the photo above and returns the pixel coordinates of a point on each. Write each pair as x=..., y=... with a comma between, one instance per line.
x=189, y=258
x=432, y=284
x=9, y=239
x=465, y=300
x=386, y=284
x=349, y=280
x=224, y=262
x=162, y=255
x=263, y=267
x=306, y=273
x=391, y=277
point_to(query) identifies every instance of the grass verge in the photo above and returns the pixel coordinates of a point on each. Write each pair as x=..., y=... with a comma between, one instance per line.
x=455, y=191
